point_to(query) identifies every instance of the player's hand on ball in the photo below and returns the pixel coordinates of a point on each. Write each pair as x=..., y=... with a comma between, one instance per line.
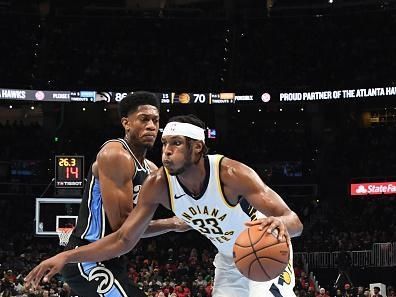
x=47, y=268
x=272, y=225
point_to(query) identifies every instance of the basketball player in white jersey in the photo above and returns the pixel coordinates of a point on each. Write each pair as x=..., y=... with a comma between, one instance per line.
x=214, y=195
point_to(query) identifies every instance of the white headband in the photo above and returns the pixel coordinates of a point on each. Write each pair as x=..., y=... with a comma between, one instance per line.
x=184, y=129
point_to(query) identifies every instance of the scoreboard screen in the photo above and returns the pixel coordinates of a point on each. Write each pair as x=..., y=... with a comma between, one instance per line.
x=69, y=172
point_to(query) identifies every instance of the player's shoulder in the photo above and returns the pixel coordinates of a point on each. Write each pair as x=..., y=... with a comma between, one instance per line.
x=113, y=153
x=230, y=167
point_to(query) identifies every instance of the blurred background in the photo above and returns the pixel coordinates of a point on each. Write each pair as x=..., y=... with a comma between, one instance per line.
x=303, y=92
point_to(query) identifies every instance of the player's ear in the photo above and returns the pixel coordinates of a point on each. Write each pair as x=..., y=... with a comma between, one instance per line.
x=125, y=123
x=198, y=147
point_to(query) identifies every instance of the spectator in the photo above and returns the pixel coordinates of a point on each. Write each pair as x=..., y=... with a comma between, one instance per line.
x=322, y=293
x=377, y=292
x=360, y=292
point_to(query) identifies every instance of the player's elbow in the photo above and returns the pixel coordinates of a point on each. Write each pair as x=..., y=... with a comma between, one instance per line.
x=298, y=226
x=117, y=222
x=294, y=226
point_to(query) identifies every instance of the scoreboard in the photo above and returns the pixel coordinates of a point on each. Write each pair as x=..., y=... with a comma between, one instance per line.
x=69, y=172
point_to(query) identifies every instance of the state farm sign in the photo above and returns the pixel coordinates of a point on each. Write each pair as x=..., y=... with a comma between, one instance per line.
x=386, y=188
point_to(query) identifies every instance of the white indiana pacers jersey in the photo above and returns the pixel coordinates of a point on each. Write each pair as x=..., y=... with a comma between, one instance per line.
x=210, y=213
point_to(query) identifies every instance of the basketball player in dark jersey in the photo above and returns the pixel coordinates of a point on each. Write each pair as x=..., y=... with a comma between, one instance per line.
x=113, y=184
x=214, y=195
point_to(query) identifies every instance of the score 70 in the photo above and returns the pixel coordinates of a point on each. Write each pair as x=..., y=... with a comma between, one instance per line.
x=199, y=98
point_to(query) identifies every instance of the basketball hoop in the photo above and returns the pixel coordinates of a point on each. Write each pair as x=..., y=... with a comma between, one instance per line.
x=64, y=235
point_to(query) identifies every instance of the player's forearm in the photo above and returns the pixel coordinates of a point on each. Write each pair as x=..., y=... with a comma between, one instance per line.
x=158, y=227
x=293, y=224
x=109, y=247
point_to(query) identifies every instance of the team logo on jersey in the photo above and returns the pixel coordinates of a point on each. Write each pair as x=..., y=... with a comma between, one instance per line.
x=107, y=279
x=286, y=276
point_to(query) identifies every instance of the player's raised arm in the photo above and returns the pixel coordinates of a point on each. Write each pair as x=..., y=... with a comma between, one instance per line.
x=153, y=192
x=241, y=180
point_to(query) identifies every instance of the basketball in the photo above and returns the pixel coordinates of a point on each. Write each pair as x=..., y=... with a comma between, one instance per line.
x=259, y=255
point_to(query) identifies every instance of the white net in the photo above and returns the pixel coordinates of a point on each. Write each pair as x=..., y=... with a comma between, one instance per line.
x=64, y=235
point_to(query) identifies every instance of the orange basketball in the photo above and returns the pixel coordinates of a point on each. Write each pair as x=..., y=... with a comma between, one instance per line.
x=259, y=255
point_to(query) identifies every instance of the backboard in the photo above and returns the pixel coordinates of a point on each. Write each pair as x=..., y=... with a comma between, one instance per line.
x=53, y=213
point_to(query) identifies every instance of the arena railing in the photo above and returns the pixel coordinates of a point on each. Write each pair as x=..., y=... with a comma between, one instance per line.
x=381, y=255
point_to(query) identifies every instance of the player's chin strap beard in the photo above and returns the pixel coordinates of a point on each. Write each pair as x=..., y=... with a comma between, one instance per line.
x=199, y=158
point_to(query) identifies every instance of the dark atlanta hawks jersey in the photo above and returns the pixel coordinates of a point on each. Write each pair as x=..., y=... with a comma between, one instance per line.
x=92, y=222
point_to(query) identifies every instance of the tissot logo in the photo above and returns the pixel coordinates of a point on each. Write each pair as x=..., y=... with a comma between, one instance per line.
x=179, y=196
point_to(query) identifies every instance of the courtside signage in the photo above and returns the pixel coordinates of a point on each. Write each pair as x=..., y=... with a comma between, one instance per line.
x=385, y=188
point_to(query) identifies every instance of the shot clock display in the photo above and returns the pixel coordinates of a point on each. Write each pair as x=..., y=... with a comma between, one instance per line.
x=69, y=171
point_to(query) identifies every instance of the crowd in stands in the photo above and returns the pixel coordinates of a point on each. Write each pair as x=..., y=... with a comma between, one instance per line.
x=354, y=226
x=167, y=266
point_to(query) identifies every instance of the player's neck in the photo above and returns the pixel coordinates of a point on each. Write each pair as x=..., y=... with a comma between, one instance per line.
x=194, y=177
x=138, y=150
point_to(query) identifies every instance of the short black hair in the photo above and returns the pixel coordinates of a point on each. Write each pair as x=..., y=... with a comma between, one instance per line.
x=189, y=118
x=131, y=102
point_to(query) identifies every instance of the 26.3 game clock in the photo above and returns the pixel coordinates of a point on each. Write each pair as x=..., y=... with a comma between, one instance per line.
x=69, y=172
